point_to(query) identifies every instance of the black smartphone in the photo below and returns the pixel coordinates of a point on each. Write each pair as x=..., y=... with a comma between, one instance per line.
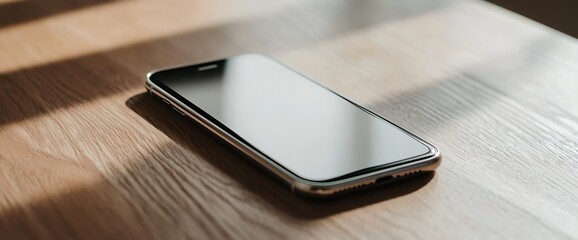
x=314, y=140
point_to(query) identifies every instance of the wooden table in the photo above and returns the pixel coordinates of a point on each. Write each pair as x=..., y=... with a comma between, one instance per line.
x=86, y=154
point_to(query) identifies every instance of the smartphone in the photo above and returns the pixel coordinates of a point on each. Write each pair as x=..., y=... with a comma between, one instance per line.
x=311, y=138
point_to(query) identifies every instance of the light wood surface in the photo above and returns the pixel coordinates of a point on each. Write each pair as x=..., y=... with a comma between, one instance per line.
x=86, y=154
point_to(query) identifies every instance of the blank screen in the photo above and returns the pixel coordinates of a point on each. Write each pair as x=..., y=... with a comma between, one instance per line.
x=309, y=130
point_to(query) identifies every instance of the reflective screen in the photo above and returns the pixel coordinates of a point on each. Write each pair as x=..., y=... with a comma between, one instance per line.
x=309, y=130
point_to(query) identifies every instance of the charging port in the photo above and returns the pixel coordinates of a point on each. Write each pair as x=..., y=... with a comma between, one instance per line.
x=384, y=179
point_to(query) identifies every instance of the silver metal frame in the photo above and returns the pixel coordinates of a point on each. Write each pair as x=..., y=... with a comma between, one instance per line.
x=298, y=184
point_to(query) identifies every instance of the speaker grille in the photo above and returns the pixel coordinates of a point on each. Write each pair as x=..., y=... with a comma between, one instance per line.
x=407, y=174
x=354, y=187
x=386, y=179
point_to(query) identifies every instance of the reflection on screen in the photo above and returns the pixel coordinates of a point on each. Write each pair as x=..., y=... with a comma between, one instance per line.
x=312, y=132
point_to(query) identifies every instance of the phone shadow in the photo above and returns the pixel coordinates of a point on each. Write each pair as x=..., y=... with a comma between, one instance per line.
x=255, y=180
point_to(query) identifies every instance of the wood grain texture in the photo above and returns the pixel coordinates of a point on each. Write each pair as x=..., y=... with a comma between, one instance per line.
x=86, y=154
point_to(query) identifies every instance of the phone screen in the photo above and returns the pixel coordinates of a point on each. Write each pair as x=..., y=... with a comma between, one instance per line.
x=309, y=130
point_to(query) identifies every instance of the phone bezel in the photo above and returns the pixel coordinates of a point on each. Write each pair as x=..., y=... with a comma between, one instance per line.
x=371, y=176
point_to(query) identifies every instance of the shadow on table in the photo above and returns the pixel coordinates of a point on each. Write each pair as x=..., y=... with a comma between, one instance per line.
x=24, y=11
x=250, y=176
